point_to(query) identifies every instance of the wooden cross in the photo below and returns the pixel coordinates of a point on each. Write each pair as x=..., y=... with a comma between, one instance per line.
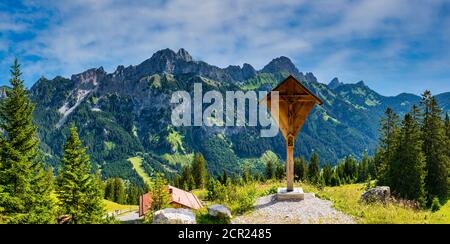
x=295, y=104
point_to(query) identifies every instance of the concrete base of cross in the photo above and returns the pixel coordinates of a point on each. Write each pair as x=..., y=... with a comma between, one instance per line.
x=296, y=194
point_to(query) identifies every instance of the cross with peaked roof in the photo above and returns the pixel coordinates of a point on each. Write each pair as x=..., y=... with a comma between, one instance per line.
x=295, y=104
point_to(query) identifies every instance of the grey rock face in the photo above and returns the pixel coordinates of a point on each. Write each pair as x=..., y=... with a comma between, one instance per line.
x=248, y=71
x=184, y=55
x=219, y=211
x=379, y=194
x=334, y=83
x=240, y=74
x=281, y=64
x=310, y=77
x=174, y=216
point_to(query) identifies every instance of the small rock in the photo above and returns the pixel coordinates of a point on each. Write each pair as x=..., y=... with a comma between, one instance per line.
x=219, y=211
x=174, y=216
x=378, y=194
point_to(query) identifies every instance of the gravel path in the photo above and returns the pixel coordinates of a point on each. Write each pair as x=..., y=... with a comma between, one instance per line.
x=312, y=210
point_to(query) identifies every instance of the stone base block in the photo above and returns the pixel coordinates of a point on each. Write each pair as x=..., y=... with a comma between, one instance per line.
x=296, y=194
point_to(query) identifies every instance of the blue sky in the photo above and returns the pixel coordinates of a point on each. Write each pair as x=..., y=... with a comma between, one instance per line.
x=393, y=45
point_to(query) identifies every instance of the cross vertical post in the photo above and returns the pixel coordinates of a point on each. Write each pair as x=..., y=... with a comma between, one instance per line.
x=290, y=163
x=295, y=104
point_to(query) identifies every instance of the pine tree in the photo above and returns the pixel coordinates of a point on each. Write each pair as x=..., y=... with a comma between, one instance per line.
x=190, y=183
x=447, y=126
x=119, y=191
x=350, y=169
x=408, y=165
x=339, y=169
x=199, y=171
x=435, y=148
x=327, y=174
x=160, y=193
x=447, y=133
x=133, y=195
x=109, y=189
x=24, y=188
x=363, y=168
x=335, y=180
x=185, y=177
x=79, y=192
x=300, y=168
x=388, y=144
x=280, y=170
x=372, y=169
x=94, y=206
x=314, y=169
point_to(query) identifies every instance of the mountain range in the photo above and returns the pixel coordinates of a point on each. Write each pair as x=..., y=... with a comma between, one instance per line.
x=127, y=113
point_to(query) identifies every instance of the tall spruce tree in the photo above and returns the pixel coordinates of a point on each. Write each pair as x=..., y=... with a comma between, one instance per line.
x=184, y=179
x=327, y=174
x=109, y=189
x=435, y=148
x=447, y=133
x=335, y=180
x=300, y=168
x=408, y=164
x=199, y=171
x=79, y=192
x=314, y=169
x=119, y=191
x=350, y=169
x=447, y=126
x=160, y=193
x=372, y=169
x=280, y=170
x=24, y=186
x=363, y=168
x=388, y=135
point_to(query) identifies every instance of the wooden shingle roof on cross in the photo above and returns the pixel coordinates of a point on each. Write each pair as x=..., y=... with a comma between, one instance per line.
x=295, y=103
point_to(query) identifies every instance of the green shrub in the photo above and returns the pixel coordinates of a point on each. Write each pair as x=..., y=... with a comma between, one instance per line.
x=241, y=199
x=216, y=191
x=272, y=190
x=435, y=204
x=203, y=217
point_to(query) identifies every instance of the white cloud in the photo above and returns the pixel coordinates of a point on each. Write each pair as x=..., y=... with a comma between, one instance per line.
x=321, y=36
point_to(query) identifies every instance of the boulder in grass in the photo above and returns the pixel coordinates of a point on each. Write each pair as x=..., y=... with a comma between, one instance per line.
x=379, y=194
x=174, y=216
x=219, y=211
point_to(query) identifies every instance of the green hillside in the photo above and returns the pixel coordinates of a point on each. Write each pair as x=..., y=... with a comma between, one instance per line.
x=137, y=166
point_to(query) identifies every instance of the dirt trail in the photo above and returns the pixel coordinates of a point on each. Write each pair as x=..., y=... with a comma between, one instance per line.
x=312, y=210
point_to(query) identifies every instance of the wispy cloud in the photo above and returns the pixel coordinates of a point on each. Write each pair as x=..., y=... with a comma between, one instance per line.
x=371, y=40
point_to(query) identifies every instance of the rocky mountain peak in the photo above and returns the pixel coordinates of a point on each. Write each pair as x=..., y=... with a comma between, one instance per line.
x=164, y=60
x=248, y=71
x=280, y=64
x=164, y=54
x=335, y=83
x=184, y=55
x=89, y=79
x=310, y=77
x=361, y=83
x=239, y=74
